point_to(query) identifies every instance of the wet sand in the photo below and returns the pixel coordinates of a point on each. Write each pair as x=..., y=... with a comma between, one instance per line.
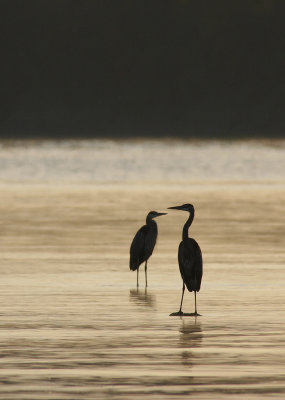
x=73, y=325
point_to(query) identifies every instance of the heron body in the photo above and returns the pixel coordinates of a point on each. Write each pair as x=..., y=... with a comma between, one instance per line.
x=190, y=264
x=143, y=244
x=189, y=259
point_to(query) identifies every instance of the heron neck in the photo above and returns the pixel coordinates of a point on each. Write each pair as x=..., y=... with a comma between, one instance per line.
x=150, y=221
x=187, y=225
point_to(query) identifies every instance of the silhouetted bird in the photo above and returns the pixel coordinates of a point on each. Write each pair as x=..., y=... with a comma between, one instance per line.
x=143, y=244
x=189, y=259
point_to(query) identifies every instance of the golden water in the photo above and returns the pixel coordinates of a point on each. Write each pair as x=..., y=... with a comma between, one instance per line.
x=73, y=325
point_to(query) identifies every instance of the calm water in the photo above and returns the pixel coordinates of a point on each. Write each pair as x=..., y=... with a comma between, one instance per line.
x=73, y=324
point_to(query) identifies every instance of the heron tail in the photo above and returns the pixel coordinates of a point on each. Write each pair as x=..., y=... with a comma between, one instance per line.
x=134, y=264
x=193, y=285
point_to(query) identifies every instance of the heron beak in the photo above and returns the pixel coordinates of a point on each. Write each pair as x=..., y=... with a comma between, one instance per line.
x=159, y=214
x=175, y=208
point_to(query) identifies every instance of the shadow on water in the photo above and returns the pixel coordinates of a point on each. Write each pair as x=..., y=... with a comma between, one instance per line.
x=142, y=298
x=191, y=336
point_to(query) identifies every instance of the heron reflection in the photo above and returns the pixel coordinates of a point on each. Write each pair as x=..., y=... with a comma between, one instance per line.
x=191, y=337
x=191, y=334
x=142, y=297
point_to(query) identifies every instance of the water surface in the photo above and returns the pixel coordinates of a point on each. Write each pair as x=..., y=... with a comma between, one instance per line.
x=73, y=325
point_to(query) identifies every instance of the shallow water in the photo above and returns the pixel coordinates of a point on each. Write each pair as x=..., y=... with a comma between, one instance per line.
x=73, y=325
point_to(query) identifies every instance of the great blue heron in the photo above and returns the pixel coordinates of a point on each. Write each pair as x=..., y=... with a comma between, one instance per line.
x=143, y=244
x=189, y=259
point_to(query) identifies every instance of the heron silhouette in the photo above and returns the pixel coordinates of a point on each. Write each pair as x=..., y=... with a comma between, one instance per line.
x=143, y=244
x=189, y=259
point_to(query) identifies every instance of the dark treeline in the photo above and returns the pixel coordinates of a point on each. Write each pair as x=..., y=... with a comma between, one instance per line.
x=142, y=68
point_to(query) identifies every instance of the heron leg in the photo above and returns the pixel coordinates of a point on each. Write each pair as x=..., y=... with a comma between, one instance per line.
x=145, y=270
x=137, y=278
x=183, y=290
x=195, y=303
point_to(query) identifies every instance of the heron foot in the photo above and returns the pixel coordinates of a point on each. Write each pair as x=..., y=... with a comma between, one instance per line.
x=182, y=314
x=176, y=314
x=193, y=314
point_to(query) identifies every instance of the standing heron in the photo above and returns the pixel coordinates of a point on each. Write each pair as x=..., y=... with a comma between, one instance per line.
x=189, y=259
x=143, y=244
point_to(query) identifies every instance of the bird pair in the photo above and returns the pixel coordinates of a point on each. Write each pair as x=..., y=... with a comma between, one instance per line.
x=189, y=253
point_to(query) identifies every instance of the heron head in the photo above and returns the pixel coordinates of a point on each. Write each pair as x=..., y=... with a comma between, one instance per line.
x=185, y=207
x=154, y=214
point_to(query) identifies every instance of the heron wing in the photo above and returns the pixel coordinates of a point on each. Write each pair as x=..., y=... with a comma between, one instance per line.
x=137, y=248
x=142, y=245
x=190, y=264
